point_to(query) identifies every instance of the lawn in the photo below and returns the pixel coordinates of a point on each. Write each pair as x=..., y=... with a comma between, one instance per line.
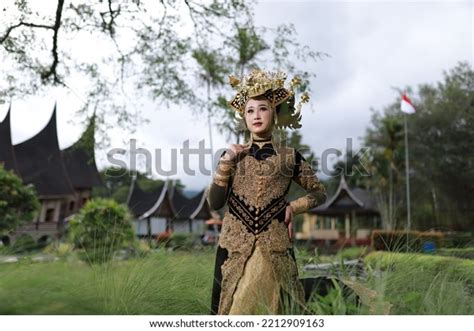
x=162, y=283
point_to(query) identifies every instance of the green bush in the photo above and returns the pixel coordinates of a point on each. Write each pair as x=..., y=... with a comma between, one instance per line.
x=23, y=244
x=464, y=253
x=101, y=227
x=18, y=202
x=459, y=240
x=59, y=249
x=430, y=264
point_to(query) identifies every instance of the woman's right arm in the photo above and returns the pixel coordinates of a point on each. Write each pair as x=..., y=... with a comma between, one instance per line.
x=217, y=193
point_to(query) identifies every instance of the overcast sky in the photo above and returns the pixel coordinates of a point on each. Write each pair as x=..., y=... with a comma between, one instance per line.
x=374, y=46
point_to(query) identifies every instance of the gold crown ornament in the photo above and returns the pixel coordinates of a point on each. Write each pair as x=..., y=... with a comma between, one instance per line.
x=271, y=86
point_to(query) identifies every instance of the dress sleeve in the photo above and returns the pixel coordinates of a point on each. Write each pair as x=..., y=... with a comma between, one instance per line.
x=218, y=189
x=307, y=179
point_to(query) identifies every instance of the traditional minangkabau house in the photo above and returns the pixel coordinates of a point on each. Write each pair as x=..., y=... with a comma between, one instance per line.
x=152, y=211
x=191, y=213
x=166, y=210
x=63, y=179
x=346, y=218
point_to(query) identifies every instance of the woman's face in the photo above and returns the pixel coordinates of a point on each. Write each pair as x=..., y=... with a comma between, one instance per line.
x=258, y=116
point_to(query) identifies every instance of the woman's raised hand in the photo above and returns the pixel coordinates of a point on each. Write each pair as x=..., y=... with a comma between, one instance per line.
x=234, y=150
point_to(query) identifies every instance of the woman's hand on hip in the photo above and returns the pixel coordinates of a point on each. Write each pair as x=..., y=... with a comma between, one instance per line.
x=289, y=221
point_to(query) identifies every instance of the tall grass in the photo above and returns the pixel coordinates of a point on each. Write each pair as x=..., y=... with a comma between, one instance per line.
x=157, y=284
x=423, y=284
x=175, y=282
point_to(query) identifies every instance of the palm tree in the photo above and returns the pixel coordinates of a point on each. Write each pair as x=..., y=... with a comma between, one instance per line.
x=386, y=140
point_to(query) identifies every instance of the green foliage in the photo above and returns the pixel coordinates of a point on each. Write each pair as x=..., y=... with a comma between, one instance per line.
x=464, y=253
x=59, y=249
x=459, y=239
x=101, y=227
x=18, y=203
x=440, y=136
x=338, y=301
x=429, y=265
x=23, y=244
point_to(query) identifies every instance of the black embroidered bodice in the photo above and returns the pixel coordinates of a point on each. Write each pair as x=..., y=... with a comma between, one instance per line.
x=257, y=217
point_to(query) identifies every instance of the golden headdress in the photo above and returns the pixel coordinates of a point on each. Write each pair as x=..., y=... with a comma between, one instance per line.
x=271, y=86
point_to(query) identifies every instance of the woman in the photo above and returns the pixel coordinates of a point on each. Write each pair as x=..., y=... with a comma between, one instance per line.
x=255, y=269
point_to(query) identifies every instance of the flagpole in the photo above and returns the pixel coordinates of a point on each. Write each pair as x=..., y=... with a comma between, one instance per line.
x=407, y=171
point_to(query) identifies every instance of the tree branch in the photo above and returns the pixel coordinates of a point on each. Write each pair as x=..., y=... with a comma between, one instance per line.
x=53, y=68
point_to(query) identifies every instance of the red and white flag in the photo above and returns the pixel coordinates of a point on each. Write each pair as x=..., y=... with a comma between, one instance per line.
x=406, y=105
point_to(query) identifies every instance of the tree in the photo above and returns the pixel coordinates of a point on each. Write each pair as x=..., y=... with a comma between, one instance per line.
x=441, y=136
x=18, y=203
x=139, y=48
x=385, y=140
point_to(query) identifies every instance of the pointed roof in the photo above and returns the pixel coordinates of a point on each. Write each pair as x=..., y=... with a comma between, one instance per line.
x=39, y=162
x=347, y=200
x=150, y=204
x=7, y=155
x=79, y=160
x=190, y=208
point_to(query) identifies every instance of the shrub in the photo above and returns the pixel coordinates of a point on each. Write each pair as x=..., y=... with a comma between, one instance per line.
x=60, y=249
x=430, y=264
x=464, y=253
x=23, y=244
x=101, y=227
x=459, y=240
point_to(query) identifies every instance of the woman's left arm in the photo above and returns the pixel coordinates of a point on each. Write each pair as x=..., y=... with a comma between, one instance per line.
x=305, y=176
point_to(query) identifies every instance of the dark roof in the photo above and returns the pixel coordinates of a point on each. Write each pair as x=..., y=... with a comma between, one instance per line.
x=79, y=160
x=146, y=204
x=191, y=208
x=40, y=163
x=347, y=200
x=7, y=155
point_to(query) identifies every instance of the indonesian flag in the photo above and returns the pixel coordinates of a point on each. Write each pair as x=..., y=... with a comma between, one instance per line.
x=406, y=106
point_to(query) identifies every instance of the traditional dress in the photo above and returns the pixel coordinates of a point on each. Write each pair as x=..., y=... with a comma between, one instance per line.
x=255, y=268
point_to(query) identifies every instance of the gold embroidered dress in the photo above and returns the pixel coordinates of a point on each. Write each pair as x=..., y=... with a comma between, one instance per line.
x=255, y=269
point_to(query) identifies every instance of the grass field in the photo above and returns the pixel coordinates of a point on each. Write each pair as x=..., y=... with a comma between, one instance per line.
x=179, y=282
x=162, y=283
